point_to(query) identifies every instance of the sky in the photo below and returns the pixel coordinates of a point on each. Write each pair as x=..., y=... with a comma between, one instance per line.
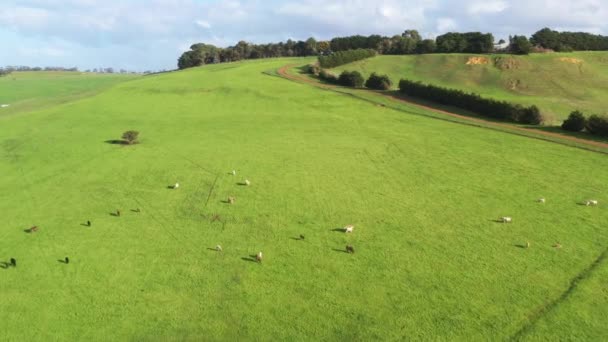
x=143, y=35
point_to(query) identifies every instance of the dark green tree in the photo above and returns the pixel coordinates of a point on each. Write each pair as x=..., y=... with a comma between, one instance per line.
x=575, y=123
x=520, y=45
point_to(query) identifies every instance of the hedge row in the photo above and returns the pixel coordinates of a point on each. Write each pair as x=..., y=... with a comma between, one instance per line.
x=345, y=57
x=595, y=124
x=486, y=107
x=378, y=82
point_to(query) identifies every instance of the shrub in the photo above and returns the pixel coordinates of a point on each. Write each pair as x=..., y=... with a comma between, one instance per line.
x=351, y=79
x=575, y=123
x=598, y=125
x=130, y=137
x=345, y=57
x=313, y=69
x=328, y=76
x=379, y=82
x=530, y=116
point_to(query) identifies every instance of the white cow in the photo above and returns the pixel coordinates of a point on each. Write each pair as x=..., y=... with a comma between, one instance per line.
x=218, y=248
x=233, y=172
x=176, y=186
x=349, y=228
x=247, y=182
x=541, y=200
x=506, y=219
x=259, y=257
x=591, y=202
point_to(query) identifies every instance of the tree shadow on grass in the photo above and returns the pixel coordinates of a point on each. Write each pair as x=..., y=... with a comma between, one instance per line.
x=339, y=250
x=116, y=142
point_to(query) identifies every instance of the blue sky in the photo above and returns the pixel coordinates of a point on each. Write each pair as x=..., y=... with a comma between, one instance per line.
x=140, y=35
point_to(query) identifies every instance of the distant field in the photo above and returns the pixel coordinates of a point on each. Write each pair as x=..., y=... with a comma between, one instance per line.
x=557, y=83
x=26, y=91
x=431, y=261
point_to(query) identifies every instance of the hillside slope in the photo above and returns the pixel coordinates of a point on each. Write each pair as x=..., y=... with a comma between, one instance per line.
x=26, y=91
x=431, y=261
x=557, y=83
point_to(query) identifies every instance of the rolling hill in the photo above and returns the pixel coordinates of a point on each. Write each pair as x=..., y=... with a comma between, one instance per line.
x=424, y=196
x=557, y=83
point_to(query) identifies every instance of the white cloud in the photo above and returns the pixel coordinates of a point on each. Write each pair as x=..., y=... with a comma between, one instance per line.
x=445, y=25
x=203, y=23
x=484, y=7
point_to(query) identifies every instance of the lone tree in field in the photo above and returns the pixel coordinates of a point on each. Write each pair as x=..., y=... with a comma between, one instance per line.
x=130, y=137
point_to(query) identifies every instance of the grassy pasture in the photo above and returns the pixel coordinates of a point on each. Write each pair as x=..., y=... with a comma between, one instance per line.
x=27, y=91
x=430, y=261
x=557, y=83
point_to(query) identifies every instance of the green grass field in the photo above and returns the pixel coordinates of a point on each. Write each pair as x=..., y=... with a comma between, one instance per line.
x=27, y=91
x=557, y=83
x=430, y=263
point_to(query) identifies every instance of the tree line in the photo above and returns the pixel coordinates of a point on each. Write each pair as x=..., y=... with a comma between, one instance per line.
x=408, y=42
x=569, y=41
x=345, y=57
x=595, y=124
x=8, y=69
x=501, y=110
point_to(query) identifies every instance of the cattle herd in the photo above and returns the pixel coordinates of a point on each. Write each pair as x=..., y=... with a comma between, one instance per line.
x=259, y=256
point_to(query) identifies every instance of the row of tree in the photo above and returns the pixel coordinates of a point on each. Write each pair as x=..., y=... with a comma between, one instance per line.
x=353, y=79
x=595, y=124
x=8, y=69
x=569, y=41
x=409, y=42
x=501, y=110
x=345, y=57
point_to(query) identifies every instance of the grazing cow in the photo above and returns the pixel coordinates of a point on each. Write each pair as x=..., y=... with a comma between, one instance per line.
x=176, y=186
x=247, y=182
x=541, y=200
x=13, y=262
x=301, y=237
x=591, y=203
x=506, y=219
x=231, y=200
x=349, y=228
x=258, y=257
x=33, y=229
x=233, y=172
x=88, y=223
x=218, y=248
x=67, y=260
x=557, y=245
x=527, y=244
x=117, y=212
x=350, y=249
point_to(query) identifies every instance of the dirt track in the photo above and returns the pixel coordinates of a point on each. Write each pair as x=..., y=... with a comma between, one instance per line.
x=283, y=71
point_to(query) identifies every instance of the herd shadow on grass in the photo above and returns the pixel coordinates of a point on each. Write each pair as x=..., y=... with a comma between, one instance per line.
x=251, y=258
